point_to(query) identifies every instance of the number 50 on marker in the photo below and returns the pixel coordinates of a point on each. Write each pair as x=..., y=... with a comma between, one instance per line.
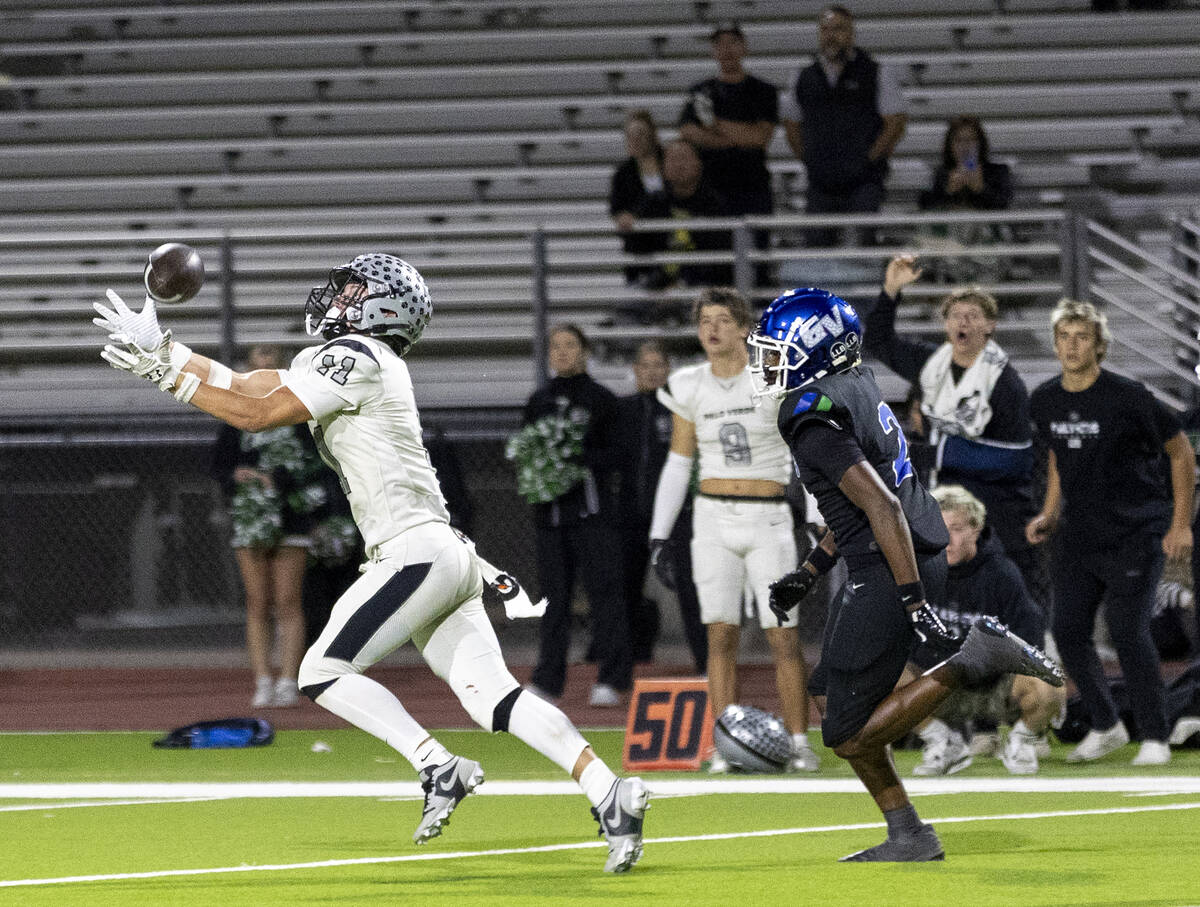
x=669, y=727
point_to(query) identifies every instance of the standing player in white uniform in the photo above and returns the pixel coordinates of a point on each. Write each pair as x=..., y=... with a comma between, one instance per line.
x=423, y=581
x=742, y=523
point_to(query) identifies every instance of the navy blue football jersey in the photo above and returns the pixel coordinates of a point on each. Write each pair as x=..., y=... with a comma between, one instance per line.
x=840, y=420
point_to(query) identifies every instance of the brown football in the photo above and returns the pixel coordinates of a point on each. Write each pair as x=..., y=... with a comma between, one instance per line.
x=174, y=273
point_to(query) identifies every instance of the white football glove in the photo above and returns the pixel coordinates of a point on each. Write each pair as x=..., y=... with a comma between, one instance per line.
x=141, y=328
x=153, y=365
x=502, y=588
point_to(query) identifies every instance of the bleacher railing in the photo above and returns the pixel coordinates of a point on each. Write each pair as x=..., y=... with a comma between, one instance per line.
x=1156, y=300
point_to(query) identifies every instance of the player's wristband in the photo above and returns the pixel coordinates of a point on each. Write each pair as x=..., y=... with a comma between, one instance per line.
x=180, y=354
x=911, y=593
x=185, y=387
x=821, y=560
x=219, y=375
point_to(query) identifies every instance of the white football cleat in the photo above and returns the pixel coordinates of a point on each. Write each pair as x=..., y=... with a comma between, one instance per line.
x=620, y=817
x=445, y=786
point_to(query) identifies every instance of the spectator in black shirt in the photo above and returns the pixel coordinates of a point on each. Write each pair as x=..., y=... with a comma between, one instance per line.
x=645, y=435
x=687, y=195
x=636, y=177
x=967, y=177
x=1118, y=499
x=975, y=407
x=576, y=531
x=730, y=118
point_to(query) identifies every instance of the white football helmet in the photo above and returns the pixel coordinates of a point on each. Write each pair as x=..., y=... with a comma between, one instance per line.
x=386, y=298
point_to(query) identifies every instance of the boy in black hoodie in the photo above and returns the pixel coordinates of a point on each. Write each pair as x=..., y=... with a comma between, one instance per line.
x=983, y=581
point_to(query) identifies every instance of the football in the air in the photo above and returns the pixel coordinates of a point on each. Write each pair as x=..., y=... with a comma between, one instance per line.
x=752, y=740
x=174, y=273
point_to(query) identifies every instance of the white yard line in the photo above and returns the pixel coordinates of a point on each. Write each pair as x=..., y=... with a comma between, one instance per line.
x=28, y=807
x=550, y=848
x=955, y=784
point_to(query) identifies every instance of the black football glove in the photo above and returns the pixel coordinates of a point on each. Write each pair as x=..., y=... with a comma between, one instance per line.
x=788, y=591
x=662, y=562
x=930, y=630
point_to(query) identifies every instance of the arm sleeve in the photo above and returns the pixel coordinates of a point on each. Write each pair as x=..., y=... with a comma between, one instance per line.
x=988, y=461
x=903, y=355
x=670, y=494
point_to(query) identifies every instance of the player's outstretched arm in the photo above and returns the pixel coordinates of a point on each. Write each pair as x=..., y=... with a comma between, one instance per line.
x=162, y=367
x=257, y=383
x=251, y=413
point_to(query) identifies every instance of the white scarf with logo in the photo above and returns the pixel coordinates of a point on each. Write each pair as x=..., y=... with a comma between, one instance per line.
x=963, y=408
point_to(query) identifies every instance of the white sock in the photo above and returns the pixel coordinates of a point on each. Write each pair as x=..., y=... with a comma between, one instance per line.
x=935, y=730
x=368, y=705
x=545, y=728
x=800, y=742
x=430, y=752
x=1023, y=729
x=596, y=780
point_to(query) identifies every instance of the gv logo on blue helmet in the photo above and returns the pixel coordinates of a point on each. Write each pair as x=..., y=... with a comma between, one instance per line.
x=805, y=334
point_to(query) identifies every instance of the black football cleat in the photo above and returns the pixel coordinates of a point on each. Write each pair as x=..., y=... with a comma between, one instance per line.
x=922, y=847
x=992, y=650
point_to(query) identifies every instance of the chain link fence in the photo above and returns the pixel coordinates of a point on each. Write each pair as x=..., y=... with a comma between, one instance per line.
x=118, y=541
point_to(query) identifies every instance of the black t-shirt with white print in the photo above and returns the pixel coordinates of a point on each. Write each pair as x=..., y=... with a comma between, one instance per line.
x=1108, y=441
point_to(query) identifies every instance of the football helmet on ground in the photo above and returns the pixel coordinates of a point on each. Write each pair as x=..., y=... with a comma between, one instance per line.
x=803, y=335
x=752, y=740
x=375, y=294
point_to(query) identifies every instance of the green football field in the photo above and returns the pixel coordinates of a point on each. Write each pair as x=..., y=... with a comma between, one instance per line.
x=105, y=819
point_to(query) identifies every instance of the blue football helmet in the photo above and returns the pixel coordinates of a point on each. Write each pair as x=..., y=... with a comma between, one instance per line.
x=805, y=334
x=387, y=299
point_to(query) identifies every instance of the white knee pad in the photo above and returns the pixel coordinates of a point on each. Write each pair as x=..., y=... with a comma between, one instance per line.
x=317, y=672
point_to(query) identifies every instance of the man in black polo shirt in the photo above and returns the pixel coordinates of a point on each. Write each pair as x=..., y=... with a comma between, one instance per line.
x=730, y=118
x=843, y=115
x=1119, y=493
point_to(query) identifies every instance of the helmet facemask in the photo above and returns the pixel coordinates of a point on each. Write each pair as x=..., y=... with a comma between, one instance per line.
x=377, y=295
x=770, y=362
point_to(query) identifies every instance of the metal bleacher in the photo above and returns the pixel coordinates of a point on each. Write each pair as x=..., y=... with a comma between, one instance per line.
x=295, y=131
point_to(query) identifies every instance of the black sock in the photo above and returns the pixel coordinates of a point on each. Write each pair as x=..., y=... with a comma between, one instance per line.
x=902, y=821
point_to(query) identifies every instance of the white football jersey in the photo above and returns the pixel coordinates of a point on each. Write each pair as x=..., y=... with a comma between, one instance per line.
x=367, y=429
x=736, y=438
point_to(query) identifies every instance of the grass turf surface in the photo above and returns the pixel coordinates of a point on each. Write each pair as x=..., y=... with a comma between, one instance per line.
x=1011, y=847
